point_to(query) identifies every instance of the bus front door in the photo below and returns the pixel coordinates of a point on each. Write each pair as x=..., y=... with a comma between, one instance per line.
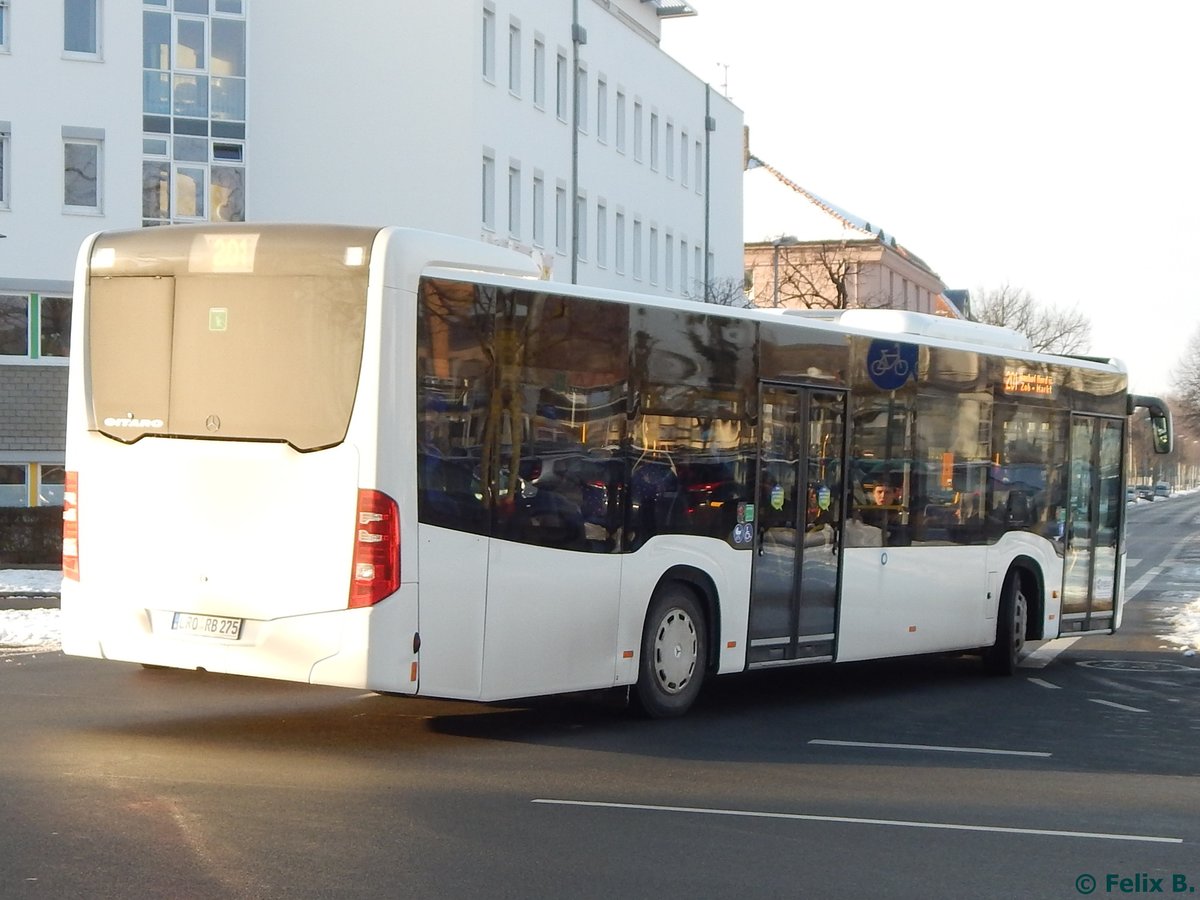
x=798, y=544
x=1093, y=524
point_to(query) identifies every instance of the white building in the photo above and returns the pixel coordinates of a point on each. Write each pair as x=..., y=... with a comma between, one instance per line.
x=558, y=128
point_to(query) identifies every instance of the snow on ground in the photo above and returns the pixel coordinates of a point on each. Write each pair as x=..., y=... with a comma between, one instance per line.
x=29, y=630
x=1185, y=626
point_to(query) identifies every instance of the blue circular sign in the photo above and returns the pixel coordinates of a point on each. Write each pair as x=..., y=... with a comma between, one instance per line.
x=891, y=363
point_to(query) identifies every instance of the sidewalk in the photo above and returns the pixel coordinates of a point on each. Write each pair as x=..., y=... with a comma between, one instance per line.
x=26, y=601
x=26, y=589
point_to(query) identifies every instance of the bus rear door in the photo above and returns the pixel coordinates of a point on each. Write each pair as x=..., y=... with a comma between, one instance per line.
x=798, y=547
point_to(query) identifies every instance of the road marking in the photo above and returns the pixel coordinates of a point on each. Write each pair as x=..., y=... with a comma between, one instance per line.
x=1045, y=654
x=854, y=820
x=1046, y=684
x=1118, y=705
x=930, y=747
x=1136, y=588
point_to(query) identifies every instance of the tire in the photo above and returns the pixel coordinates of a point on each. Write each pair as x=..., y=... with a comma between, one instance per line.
x=1012, y=619
x=674, y=653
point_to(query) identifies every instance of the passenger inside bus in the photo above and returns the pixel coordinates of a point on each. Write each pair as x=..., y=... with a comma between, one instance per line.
x=883, y=508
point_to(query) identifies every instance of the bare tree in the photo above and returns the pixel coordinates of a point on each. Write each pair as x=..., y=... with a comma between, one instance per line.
x=814, y=275
x=1186, y=376
x=1049, y=328
x=723, y=292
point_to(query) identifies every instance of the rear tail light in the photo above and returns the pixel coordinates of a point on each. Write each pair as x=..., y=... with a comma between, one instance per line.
x=376, y=549
x=70, y=543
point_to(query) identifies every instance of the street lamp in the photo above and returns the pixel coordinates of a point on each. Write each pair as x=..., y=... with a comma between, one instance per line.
x=784, y=240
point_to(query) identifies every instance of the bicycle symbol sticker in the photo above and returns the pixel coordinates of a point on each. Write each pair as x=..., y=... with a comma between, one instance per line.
x=890, y=364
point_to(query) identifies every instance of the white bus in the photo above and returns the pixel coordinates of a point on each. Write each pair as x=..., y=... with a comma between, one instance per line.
x=393, y=460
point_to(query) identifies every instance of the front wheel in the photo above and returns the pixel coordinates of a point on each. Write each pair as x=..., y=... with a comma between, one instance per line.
x=674, y=653
x=1012, y=620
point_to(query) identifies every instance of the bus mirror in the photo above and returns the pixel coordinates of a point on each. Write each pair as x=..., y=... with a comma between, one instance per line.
x=1160, y=420
x=1160, y=425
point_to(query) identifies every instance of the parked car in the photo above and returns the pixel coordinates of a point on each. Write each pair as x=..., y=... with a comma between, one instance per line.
x=1130, y=494
x=1162, y=489
x=1145, y=492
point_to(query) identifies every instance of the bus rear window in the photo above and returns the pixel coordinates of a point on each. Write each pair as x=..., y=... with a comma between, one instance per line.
x=266, y=354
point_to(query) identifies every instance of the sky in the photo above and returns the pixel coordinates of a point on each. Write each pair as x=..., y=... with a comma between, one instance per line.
x=1050, y=146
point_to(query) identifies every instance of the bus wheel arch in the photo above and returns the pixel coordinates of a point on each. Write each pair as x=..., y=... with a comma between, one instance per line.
x=1019, y=615
x=676, y=645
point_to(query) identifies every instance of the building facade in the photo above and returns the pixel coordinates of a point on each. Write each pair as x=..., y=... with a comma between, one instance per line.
x=802, y=251
x=561, y=130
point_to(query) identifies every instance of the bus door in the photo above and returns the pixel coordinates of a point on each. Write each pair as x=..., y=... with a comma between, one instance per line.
x=799, y=513
x=1092, y=529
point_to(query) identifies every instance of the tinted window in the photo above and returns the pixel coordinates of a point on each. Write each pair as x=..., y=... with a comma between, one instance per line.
x=522, y=400
x=692, y=445
x=228, y=333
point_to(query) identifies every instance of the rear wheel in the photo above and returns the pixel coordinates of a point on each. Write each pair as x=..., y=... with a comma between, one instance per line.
x=1012, y=620
x=674, y=653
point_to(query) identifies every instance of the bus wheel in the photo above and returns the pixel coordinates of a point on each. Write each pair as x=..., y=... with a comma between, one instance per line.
x=674, y=653
x=1012, y=618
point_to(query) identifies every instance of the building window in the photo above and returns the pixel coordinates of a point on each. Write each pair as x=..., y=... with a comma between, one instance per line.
x=14, y=485
x=14, y=325
x=81, y=175
x=3, y=26
x=581, y=95
x=560, y=219
x=514, y=199
x=654, y=142
x=637, y=130
x=4, y=156
x=601, y=109
x=619, y=114
x=489, y=44
x=35, y=327
x=514, y=59
x=637, y=249
x=683, y=267
x=601, y=234
x=561, y=88
x=191, y=44
x=50, y=481
x=669, y=160
x=684, y=147
x=190, y=190
x=488, y=186
x=699, y=167
x=653, y=260
x=539, y=209
x=698, y=274
x=669, y=261
x=81, y=28
x=54, y=327
x=539, y=74
x=619, y=244
x=581, y=226
x=194, y=112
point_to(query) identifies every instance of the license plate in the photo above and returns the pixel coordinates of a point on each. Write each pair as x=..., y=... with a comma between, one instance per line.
x=219, y=627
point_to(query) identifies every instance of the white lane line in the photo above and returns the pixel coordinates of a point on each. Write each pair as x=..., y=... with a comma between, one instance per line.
x=930, y=747
x=1046, y=684
x=854, y=820
x=1045, y=654
x=1118, y=705
x=1136, y=588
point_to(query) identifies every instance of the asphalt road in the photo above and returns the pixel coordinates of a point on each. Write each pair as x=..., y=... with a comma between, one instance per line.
x=918, y=778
